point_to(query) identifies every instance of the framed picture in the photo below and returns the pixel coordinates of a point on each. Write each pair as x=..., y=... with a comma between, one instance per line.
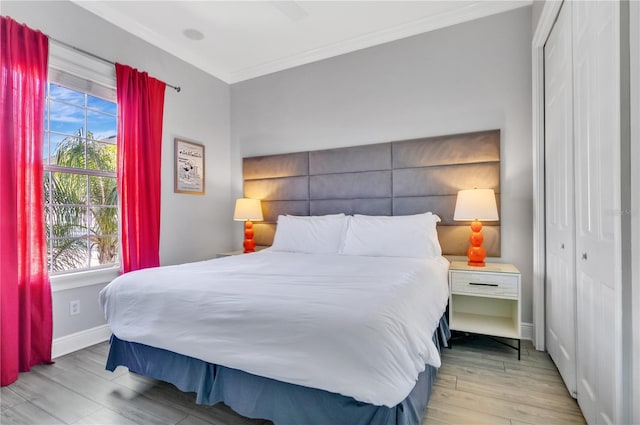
x=188, y=173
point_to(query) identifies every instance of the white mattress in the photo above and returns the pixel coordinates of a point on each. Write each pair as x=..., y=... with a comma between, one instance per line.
x=357, y=326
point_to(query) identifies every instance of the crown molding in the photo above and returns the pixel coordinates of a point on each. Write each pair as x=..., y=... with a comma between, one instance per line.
x=475, y=10
x=470, y=12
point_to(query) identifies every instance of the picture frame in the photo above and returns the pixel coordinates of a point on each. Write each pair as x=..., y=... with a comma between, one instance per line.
x=189, y=170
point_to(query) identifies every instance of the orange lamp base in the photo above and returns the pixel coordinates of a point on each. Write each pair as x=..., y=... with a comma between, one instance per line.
x=476, y=253
x=249, y=244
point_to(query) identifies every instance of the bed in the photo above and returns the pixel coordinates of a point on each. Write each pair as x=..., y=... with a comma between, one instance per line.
x=333, y=324
x=385, y=260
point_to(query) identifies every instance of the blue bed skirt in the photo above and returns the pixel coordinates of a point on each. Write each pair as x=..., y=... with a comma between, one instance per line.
x=259, y=397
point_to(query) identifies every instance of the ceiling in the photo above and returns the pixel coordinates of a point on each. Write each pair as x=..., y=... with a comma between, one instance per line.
x=246, y=39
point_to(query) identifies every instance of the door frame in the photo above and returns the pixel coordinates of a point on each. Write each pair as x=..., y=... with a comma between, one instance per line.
x=545, y=24
x=634, y=13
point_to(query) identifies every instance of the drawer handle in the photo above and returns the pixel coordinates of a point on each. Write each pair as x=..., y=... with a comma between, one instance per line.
x=483, y=284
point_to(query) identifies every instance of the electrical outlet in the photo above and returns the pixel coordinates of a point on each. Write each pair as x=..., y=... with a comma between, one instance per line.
x=74, y=307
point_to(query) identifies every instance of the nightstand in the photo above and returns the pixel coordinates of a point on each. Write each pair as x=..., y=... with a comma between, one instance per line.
x=238, y=252
x=485, y=300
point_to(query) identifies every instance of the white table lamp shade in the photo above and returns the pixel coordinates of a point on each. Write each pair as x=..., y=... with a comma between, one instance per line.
x=476, y=204
x=248, y=209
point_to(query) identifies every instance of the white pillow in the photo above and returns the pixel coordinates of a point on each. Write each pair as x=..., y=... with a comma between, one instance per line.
x=397, y=236
x=317, y=217
x=314, y=234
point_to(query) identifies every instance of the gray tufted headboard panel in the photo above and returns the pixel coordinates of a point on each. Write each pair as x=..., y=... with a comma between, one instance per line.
x=396, y=178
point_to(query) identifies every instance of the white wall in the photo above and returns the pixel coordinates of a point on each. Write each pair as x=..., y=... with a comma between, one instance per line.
x=473, y=76
x=192, y=227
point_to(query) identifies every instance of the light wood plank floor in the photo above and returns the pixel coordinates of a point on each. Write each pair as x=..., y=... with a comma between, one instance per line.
x=480, y=382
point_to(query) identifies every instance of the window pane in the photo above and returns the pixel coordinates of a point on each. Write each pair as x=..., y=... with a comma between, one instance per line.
x=69, y=254
x=47, y=221
x=67, y=222
x=104, y=191
x=101, y=105
x=101, y=156
x=104, y=221
x=46, y=185
x=100, y=126
x=66, y=119
x=45, y=148
x=70, y=151
x=69, y=189
x=66, y=95
x=104, y=250
x=46, y=115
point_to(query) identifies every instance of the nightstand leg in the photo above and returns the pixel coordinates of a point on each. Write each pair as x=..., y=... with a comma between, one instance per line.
x=518, y=349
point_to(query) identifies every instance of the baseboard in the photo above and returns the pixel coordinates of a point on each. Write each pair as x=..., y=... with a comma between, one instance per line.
x=79, y=340
x=526, y=331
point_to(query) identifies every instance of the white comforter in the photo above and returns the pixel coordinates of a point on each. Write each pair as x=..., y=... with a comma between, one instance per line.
x=358, y=326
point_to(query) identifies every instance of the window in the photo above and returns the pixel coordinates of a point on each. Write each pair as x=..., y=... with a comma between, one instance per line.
x=80, y=189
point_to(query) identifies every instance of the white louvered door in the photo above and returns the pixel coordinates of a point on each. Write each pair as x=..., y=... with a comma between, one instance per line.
x=559, y=185
x=596, y=58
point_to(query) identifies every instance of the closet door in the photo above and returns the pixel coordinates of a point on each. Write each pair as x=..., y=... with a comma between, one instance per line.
x=596, y=47
x=560, y=281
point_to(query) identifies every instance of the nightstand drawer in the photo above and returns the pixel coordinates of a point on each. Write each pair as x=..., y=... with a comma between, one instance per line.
x=484, y=284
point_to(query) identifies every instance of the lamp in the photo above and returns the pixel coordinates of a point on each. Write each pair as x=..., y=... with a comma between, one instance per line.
x=475, y=205
x=248, y=210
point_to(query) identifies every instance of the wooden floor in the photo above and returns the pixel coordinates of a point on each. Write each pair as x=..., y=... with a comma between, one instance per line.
x=480, y=382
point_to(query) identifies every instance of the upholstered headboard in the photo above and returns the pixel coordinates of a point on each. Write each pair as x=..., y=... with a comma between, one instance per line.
x=396, y=178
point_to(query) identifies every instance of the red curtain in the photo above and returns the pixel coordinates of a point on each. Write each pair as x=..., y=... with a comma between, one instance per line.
x=25, y=293
x=140, y=110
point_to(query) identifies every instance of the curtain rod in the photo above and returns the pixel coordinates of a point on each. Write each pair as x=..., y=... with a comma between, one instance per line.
x=176, y=88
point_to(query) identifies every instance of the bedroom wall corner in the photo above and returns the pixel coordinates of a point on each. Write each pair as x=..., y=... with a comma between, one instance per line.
x=193, y=227
x=464, y=78
x=536, y=12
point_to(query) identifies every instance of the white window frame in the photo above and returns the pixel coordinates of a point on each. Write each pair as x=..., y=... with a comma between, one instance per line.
x=70, y=61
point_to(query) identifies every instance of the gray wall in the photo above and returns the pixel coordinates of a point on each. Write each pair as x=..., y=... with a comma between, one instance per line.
x=90, y=314
x=473, y=76
x=192, y=227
